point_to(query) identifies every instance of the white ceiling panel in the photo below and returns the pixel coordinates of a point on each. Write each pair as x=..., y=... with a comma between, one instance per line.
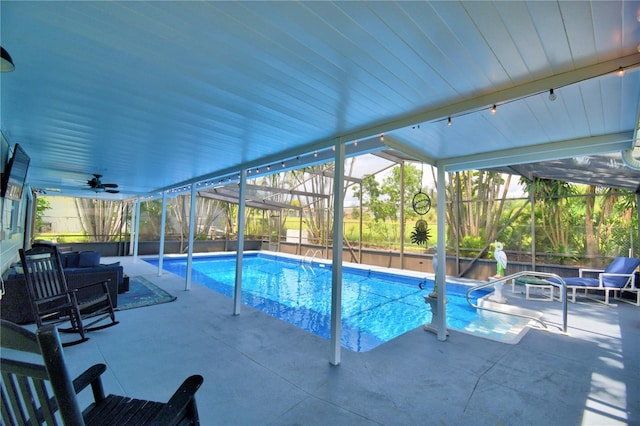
x=158, y=94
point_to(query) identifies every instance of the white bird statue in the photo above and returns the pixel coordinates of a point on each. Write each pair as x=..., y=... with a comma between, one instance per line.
x=501, y=258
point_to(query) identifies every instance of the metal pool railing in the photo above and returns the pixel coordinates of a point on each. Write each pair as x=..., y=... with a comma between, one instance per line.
x=561, y=284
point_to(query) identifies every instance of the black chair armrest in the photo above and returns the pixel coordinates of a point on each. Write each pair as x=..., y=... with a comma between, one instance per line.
x=91, y=376
x=177, y=406
x=104, y=283
x=62, y=295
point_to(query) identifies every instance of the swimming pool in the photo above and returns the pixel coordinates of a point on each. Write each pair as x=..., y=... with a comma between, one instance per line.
x=376, y=306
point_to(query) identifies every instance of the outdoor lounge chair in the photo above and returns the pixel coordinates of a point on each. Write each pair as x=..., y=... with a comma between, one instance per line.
x=52, y=301
x=617, y=278
x=40, y=391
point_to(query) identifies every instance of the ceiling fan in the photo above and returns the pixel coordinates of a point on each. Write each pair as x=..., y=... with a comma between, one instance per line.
x=96, y=185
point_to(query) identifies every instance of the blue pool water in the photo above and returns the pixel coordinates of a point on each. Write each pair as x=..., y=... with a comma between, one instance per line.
x=376, y=307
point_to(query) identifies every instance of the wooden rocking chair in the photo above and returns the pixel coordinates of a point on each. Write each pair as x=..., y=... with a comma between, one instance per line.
x=34, y=393
x=52, y=301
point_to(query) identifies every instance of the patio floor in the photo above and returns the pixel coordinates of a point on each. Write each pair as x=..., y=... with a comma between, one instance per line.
x=261, y=371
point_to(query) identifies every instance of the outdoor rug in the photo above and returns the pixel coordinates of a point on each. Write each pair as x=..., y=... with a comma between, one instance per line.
x=142, y=292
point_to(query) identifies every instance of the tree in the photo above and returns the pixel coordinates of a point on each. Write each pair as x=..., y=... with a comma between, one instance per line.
x=42, y=205
x=207, y=212
x=370, y=192
x=150, y=219
x=481, y=196
x=316, y=180
x=101, y=220
x=383, y=201
x=553, y=215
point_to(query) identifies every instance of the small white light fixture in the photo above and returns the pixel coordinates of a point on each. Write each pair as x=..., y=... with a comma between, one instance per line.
x=449, y=122
x=621, y=71
x=493, y=109
x=552, y=95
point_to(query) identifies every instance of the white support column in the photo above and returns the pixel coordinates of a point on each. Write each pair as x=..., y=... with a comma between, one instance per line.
x=300, y=233
x=132, y=226
x=637, y=214
x=532, y=196
x=442, y=256
x=29, y=220
x=360, y=227
x=192, y=227
x=163, y=221
x=237, y=291
x=402, y=215
x=136, y=230
x=336, y=269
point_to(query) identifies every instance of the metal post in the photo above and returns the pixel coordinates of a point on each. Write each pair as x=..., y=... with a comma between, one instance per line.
x=126, y=222
x=336, y=269
x=132, y=234
x=136, y=231
x=163, y=220
x=360, y=240
x=29, y=218
x=402, y=215
x=533, y=224
x=457, y=198
x=327, y=229
x=237, y=292
x=638, y=214
x=192, y=227
x=300, y=233
x=442, y=256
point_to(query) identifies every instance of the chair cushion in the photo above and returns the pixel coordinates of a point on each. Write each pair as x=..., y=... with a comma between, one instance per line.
x=89, y=259
x=620, y=265
x=579, y=281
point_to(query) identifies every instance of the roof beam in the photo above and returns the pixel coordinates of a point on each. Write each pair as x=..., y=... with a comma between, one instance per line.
x=411, y=152
x=285, y=191
x=614, y=142
x=264, y=205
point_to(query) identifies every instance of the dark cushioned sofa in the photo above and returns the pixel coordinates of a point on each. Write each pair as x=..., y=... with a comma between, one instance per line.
x=80, y=269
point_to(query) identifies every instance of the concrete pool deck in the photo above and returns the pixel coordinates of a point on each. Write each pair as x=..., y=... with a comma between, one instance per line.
x=261, y=371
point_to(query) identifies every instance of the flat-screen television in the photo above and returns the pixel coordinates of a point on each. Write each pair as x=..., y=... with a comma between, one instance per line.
x=15, y=174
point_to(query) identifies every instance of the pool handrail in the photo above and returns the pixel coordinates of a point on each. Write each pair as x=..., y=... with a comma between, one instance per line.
x=313, y=253
x=309, y=260
x=561, y=284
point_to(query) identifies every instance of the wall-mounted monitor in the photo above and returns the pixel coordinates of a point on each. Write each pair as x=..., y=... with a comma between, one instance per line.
x=15, y=174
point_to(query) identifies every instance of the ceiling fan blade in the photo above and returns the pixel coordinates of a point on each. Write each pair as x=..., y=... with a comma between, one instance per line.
x=112, y=191
x=110, y=185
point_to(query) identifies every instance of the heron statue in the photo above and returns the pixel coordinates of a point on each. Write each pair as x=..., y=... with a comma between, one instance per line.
x=501, y=259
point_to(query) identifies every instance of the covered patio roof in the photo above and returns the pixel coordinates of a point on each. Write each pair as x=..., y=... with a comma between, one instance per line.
x=159, y=95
